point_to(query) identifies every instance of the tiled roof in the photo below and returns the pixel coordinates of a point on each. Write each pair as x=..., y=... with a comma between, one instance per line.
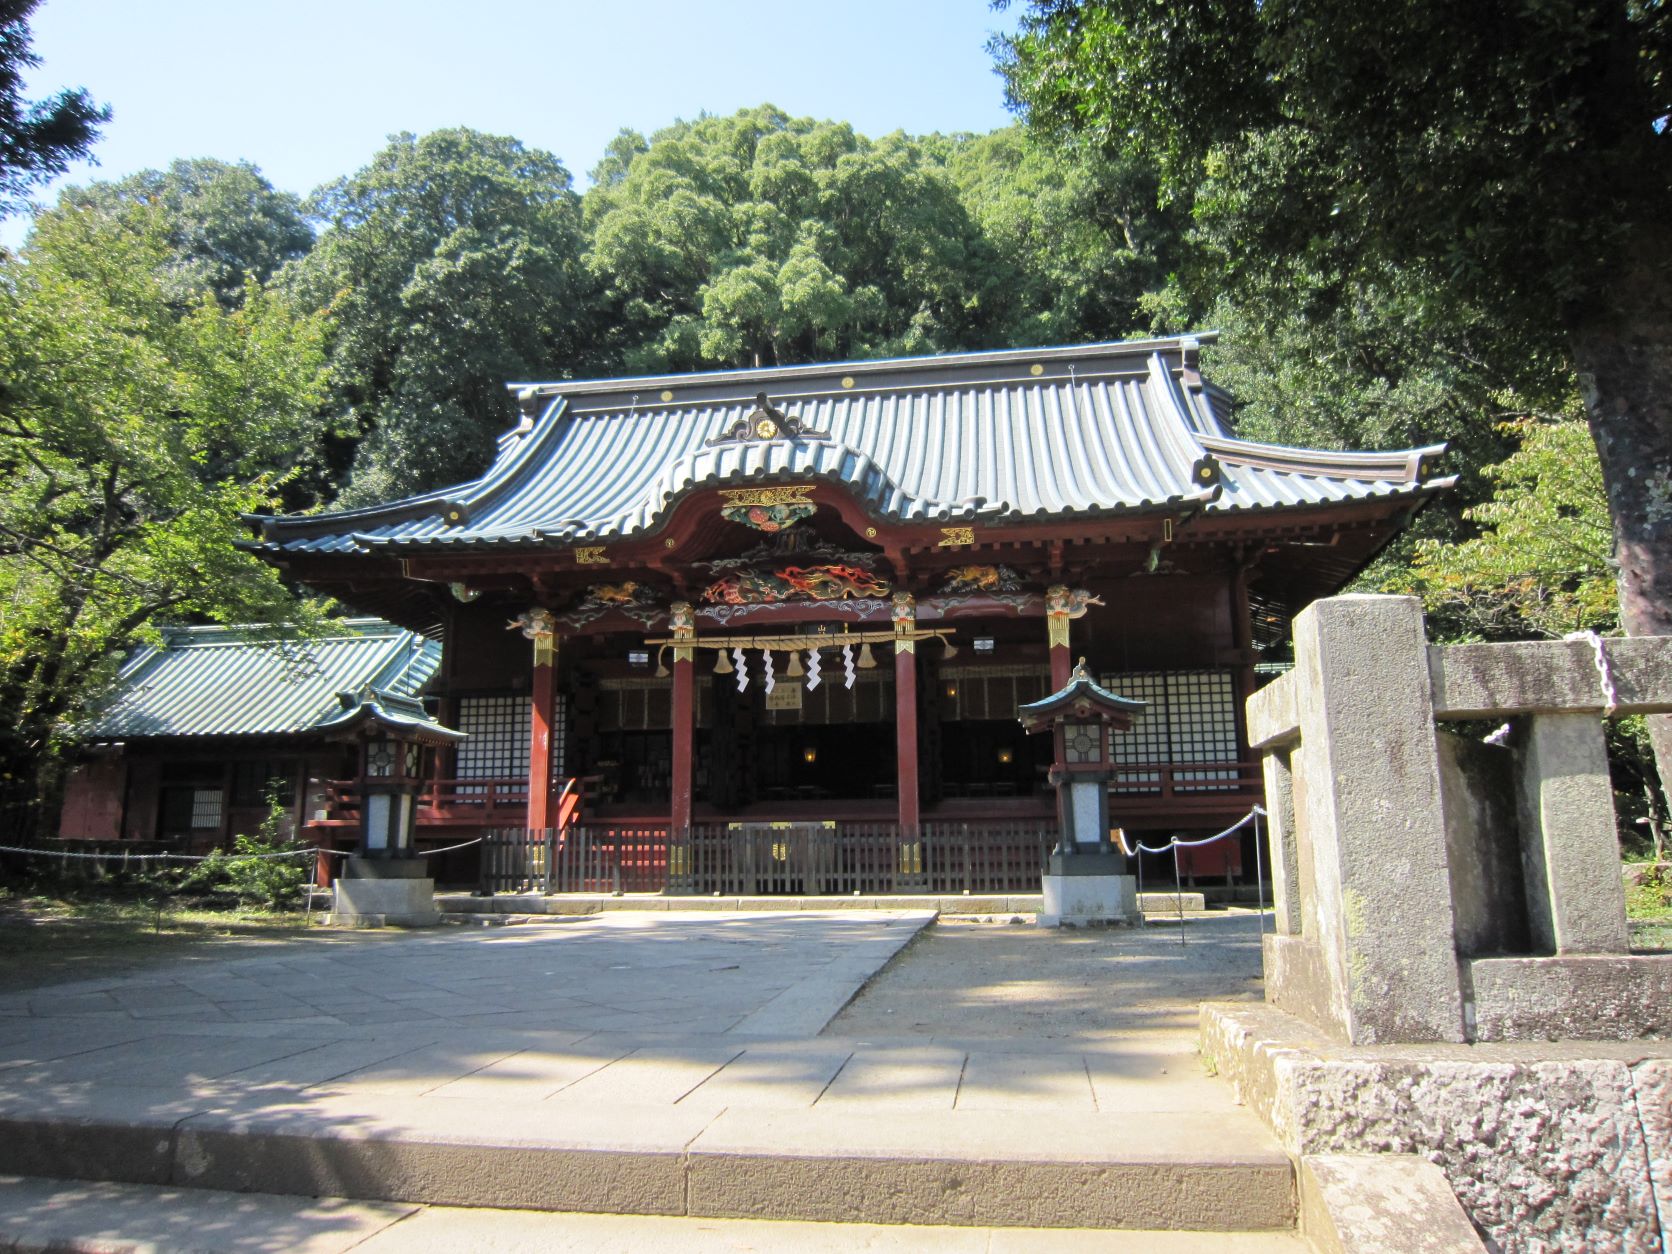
x=1012, y=436
x=229, y=681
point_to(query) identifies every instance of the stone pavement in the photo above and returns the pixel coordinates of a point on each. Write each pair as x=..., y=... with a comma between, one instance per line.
x=665, y=1063
x=63, y=1215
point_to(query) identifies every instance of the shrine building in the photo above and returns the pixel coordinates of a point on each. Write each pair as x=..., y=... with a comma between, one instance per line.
x=819, y=594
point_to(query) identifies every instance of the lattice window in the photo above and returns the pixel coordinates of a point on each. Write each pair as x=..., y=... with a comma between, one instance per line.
x=1192, y=717
x=498, y=743
x=206, y=808
x=992, y=693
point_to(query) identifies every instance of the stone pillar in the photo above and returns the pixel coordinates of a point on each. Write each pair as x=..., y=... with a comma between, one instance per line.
x=1284, y=863
x=539, y=626
x=1378, y=961
x=905, y=712
x=682, y=624
x=1570, y=853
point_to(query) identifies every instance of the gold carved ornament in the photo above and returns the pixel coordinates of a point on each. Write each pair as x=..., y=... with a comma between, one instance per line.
x=952, y=537
x=797, y=495
x=591, y=556
x=904, y=613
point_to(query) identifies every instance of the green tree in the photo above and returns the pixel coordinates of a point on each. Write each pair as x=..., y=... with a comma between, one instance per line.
x=450, y=264
x=1515, y=158
x=225, y=222
x=761, y=239
x=134, y=433
x=1079, y=237
x=1541, y=565
x=38, y=139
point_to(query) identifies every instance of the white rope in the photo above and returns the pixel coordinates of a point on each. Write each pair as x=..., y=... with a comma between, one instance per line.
x=1605, y=671
x=312, y=851
x=163, y=857
x=424, y=853
x=1176, y=843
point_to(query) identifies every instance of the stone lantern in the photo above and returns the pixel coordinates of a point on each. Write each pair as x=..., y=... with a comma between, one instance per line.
x=1085, y=878
x=385, y=881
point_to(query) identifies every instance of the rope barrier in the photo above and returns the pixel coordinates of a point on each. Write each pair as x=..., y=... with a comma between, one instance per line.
x=1605, y=670
x=1176, y=843
x=126, y=856
x=424, y=853
x=312, y=851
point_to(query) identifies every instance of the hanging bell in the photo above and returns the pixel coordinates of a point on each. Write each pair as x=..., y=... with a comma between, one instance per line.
x=722, y=662
x=662, y=671
x=951, y=649
x=866, y=661
x=793, y=670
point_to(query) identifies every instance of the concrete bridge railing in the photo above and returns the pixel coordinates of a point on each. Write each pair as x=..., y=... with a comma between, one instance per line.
x=1431, y=887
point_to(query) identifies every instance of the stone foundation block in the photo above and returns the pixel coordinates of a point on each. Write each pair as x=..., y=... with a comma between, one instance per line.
x=1374, y=1203
x=1601, y=998
x=1079, y=900
x=1545, y=1147
x=373, y=903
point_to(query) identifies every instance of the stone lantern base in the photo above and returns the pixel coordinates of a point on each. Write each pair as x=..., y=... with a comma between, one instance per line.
x=378, y=892
x=1089, y=890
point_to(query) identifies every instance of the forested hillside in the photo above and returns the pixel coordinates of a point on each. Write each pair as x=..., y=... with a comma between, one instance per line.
x=185, y=344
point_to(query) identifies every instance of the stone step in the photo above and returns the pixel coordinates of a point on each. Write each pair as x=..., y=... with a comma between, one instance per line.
x=1017, y=904
x=63, y=1215
x=1218, y=1172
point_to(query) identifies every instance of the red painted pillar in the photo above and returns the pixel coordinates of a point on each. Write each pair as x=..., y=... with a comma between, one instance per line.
x=905, y=711
x=683, y=624
x=539, y=628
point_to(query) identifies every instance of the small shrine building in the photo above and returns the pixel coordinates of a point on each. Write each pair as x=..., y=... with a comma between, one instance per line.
x=821, y=593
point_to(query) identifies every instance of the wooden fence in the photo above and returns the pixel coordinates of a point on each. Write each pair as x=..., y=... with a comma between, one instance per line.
x=768, y=859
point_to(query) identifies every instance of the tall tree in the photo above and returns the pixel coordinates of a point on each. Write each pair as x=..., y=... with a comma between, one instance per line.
x=760, y=239
x=225, y=222
x=1518, y=157
x=38, y=139
x=1079, y=237
x=134, y=433
x=451, y=264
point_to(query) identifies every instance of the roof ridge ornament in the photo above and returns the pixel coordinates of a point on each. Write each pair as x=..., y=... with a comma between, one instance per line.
x=767, y=422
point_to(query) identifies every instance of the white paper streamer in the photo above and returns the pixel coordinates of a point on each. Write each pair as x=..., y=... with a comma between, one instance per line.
x=813, y=679
x=766, y=663
x=847, y=664
x=741, y=665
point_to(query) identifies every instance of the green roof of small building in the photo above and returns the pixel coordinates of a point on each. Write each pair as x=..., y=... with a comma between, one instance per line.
x=244, y=681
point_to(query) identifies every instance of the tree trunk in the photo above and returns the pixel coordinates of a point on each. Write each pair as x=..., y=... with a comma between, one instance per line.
x=1622, y=351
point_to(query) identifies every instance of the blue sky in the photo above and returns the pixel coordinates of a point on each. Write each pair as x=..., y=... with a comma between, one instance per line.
x=307, y=89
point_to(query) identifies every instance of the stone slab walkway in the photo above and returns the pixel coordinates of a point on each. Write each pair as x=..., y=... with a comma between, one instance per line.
x=68, y=1215
x=668, y=1063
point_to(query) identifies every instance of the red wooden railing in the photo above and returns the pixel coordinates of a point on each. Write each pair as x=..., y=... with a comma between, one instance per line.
x=446, y=802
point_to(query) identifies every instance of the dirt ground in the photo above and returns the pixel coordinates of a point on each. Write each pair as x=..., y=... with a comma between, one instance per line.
x=970, y=979
x=44, y=942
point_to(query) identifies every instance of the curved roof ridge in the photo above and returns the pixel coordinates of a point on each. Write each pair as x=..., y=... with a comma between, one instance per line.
x=990, y=356
x=515, y=461
x=1179, y=437
x=1394, y=465
x=468, y=492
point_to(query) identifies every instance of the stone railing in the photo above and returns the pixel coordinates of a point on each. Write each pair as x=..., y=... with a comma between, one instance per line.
x=1430, y=887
